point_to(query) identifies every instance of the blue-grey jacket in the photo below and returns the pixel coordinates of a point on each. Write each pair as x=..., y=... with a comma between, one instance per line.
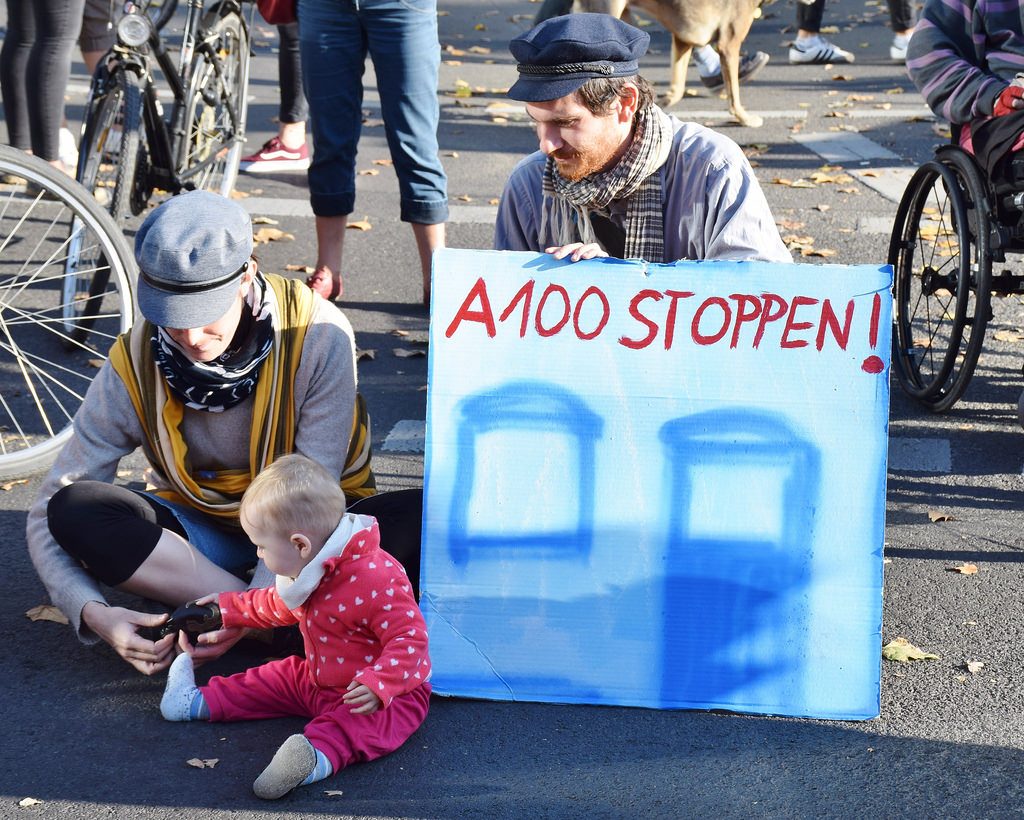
x=713, y=205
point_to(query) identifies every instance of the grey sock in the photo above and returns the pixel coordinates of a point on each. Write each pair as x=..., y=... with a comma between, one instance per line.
x=180, y=691
x=291, y=765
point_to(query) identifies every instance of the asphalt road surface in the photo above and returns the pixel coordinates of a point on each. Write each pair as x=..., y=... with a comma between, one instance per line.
x=83, y=734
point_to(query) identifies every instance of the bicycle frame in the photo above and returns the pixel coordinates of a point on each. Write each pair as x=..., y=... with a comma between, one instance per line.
x=165, y=138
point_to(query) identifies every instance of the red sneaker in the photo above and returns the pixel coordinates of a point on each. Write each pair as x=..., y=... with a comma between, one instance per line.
x=273, y=156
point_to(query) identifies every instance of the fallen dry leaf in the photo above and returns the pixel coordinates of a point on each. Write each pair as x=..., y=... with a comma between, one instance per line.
x=362, y=225
x=399, y=332
x=300, y=268
x=452, y=154
x=455, y=52
x=494, y=201
x=236, y=194
x=1008, y=335
x=366, y=354
x=964, y=569
x=46, y=612
x=333, y=792
x=406, y=353
x=826, y=252
x=373, y=123
x=29, y=801
x=479, y=50
x=10, y=485
x=937, y=515
x=203, y=764
x=369, y=172
x=464, y=198
x=266, y=235
x=822, y=207
x=904, y=651
x=264, y=220
x=974, y=667
x=383, y=162
x=790, y=224
x=97, y=363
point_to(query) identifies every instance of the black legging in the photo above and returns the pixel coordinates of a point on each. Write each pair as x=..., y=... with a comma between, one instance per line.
x=37, y=48
x=112, y=530
x=294, y=107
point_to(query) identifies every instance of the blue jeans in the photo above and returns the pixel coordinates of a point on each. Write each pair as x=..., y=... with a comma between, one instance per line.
x=401, y=39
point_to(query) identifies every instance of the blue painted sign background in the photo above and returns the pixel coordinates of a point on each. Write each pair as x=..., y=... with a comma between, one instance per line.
x=657, y=485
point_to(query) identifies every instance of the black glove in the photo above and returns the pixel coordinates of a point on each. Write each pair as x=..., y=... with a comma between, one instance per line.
x=193, y=618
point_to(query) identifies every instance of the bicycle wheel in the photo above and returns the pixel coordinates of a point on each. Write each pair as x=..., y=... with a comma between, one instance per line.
x=108, y=156
x=45, y=218
x=217, y=103
x=940, y=255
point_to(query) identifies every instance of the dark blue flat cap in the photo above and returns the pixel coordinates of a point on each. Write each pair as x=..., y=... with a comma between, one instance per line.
x=559, y=55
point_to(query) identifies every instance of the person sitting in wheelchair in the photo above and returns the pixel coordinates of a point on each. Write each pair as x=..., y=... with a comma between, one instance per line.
x=964, y=58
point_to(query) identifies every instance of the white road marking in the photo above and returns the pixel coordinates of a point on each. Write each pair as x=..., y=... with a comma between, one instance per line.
x=920, y=455
x=843, y=146
x=407, y=436
x=847, y=148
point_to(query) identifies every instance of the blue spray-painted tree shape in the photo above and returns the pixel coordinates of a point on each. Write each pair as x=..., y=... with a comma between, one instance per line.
x=735, y=608
x=526, y=405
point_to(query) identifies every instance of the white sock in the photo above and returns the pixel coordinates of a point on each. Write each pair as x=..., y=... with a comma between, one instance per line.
x=707, y=60
x=180, y=694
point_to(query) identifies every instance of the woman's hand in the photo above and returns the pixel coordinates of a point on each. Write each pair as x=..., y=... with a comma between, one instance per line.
x=577, y=251
x=119, y=627
x=360, y=696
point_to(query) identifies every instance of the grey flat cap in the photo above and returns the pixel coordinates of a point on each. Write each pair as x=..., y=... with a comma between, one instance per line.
x=192, y=252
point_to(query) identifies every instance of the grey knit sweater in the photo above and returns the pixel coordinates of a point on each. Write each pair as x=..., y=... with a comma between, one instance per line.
x=106, y=428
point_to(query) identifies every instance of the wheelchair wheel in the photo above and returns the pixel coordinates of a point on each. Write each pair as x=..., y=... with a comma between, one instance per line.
x=939, y=251
x=52, y=229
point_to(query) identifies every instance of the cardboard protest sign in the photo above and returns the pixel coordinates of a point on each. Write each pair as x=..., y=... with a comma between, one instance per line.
x=657, y=485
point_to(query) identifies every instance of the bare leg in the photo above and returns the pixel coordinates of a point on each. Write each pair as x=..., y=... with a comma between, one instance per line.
x=330, y=240
x=175, y=572
x=292, y=134
x=428, y=239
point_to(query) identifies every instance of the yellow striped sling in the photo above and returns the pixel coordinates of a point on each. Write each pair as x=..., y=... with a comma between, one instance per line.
x=273, y=412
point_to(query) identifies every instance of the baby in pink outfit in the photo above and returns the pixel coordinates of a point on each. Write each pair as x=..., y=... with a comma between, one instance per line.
x=363, y=681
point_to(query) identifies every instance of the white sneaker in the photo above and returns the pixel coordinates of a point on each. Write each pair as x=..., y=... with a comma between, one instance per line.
x=817, y=49
x=67, y=151
x=898, y=49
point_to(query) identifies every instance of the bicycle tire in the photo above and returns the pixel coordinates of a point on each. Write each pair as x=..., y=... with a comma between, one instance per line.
x=45, y=216
x=108, y=155
x=212, y=147
x=928, y=299
x=107, y=166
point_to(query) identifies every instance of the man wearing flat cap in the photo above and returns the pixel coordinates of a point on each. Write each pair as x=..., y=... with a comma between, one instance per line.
x=615, y=175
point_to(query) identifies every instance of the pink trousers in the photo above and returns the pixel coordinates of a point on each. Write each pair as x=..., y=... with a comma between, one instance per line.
x=283, y=688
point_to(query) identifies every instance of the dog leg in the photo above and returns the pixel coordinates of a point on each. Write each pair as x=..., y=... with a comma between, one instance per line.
x=680, y=61
x=730, y=39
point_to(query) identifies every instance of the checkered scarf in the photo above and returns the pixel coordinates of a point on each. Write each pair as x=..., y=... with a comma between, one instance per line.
x=565, y=213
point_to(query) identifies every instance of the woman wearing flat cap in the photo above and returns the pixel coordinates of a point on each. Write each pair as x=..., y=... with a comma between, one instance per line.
x=230, y=369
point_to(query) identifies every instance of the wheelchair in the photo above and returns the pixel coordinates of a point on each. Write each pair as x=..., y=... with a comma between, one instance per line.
x=952, y=224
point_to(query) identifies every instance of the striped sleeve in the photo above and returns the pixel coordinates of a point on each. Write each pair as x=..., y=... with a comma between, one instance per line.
x=947, y=60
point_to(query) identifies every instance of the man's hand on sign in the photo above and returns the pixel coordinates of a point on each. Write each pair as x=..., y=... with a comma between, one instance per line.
x=577, y=251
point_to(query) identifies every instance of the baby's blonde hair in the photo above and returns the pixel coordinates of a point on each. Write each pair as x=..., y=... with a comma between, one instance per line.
x=295, y=494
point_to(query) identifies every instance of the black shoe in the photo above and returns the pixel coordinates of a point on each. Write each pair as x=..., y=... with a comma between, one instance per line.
x=749, y=66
